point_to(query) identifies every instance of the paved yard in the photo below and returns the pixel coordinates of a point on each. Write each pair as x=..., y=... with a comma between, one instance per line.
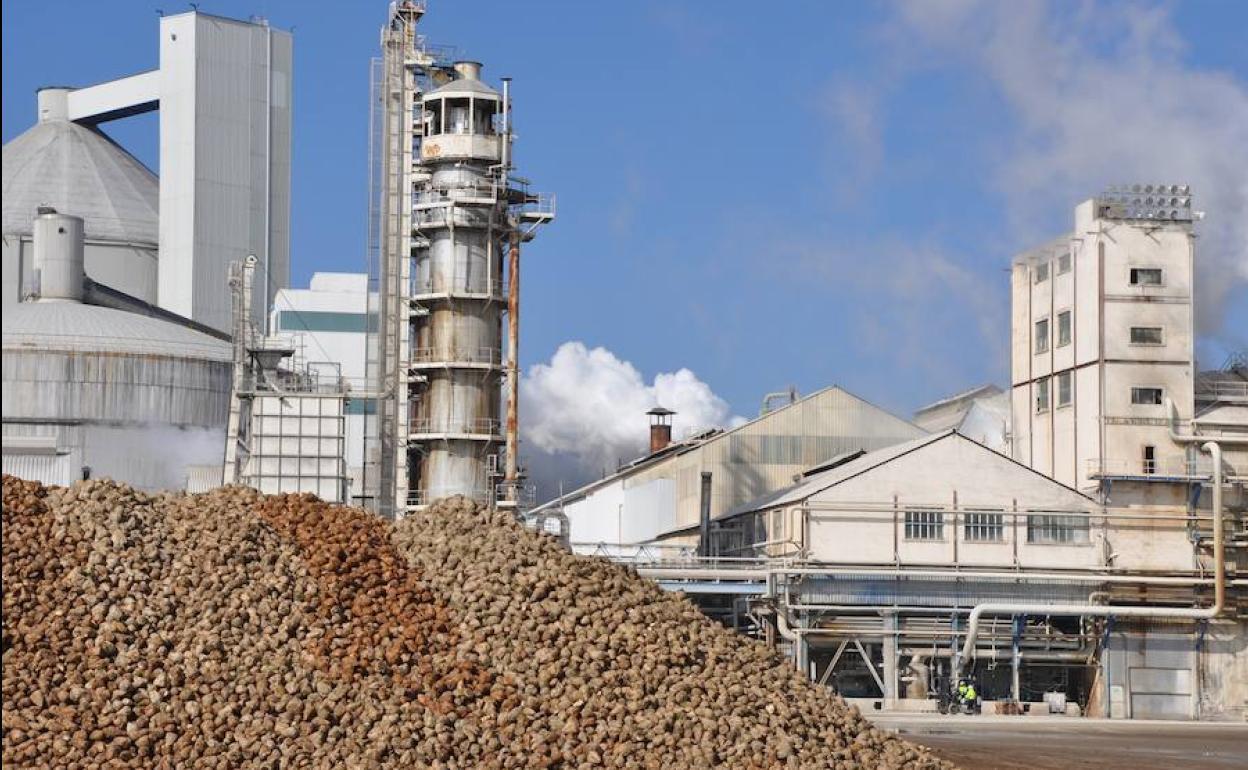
x=1071, y=743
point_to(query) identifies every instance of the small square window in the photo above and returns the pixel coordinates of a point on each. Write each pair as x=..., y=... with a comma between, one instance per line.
x=1063, y=263
x=1064, y=382
x=1146, y=396
x=1146, y=335
x=1042, y=272
x=1042, y=335
x=1042, y=395
x=1146, y=276
x=1063, y=328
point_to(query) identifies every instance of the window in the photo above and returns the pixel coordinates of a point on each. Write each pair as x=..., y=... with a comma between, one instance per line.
x=1146, y=276
x=1063, y=263
x=1064, y=382
x=1042, y=335
x=1150, y=460
x=1063, y=328
x=925, y=525
x=1146, y=335
x=984, y=527
x=1042, y=395
x=1048, y=528
x=1042, y=272
x=1146, y=396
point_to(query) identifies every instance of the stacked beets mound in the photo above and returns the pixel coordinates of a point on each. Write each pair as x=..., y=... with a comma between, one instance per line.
x=236, y=630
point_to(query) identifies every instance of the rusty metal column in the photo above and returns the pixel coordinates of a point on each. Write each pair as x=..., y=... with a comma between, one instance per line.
x=511, y=472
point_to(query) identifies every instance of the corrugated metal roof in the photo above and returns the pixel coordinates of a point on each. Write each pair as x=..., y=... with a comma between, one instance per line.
x=73, y=327
x=79, y=171
x=834, y=476
x=713, y=437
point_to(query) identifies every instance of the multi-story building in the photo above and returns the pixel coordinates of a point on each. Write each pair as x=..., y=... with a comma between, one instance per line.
x=1102, y=341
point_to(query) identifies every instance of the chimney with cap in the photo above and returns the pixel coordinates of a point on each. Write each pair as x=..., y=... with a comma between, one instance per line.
x=660, y=428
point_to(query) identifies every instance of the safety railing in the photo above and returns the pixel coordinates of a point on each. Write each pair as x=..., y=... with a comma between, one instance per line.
x=440, y=354
x=416, y=497
x=1222, y=390
x=538, y=206
x=475, y=427
x=1170, y=467
x=516, y=493
x=438, y=284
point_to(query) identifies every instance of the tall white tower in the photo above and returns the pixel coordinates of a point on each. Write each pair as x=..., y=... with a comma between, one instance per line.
x=1103, y=362
x=449, y=215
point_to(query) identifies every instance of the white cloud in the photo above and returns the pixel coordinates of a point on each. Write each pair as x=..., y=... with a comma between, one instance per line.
x=1098, y=94
x=585, y=411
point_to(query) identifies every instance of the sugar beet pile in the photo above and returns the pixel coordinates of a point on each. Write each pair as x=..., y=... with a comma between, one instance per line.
x=234, y=630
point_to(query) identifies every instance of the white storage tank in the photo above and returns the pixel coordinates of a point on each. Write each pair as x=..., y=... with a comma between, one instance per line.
x=92, y=390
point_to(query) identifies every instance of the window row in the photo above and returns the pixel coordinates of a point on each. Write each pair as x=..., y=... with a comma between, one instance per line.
x=989, y=527
x=1137, y=276
x=1141, y=395
x=1140, y=335
x=1041, y=271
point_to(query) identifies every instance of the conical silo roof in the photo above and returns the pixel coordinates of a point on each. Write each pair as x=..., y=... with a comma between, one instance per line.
x=79, y=171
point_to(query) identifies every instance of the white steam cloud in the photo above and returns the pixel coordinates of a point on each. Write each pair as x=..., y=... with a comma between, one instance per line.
x=1098, y=93
x=584, y=413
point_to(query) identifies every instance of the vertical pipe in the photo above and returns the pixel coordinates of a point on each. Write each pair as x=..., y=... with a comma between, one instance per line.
x=890, y=659
x=513, y=363
x=704, y=516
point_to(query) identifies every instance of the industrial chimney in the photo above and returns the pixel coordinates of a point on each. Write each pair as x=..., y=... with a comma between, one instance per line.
x=660, y=428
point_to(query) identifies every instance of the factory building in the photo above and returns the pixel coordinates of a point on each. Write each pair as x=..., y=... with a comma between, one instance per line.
x=656, y=503
x=1078, y=551
x=223, y=92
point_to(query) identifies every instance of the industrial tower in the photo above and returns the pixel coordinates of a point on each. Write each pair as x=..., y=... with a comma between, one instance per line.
x=447, y=213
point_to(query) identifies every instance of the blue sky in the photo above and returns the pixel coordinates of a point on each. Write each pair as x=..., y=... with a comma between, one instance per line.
x=792, y=193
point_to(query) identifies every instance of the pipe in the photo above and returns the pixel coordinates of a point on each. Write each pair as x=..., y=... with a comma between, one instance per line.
x=1083, y=610
x=1045, y=655
x=1172, y=414
x=511, y=475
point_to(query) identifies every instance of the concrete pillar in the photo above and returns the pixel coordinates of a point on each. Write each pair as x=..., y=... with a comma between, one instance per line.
x=890, y=659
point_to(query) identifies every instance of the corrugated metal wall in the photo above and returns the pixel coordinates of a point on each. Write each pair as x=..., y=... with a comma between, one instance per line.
x=115, y=388
x=765, y=455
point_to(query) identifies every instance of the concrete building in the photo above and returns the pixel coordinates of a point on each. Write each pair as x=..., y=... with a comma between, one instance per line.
x=223, y=91
x=662, y=495
x=1103, y=364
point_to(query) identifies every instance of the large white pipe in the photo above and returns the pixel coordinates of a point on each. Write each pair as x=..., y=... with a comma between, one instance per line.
x=1192, y=438
x=1096, y=610
x=736, y=573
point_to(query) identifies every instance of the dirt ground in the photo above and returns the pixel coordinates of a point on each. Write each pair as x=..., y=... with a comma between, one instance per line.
x=1018, y=743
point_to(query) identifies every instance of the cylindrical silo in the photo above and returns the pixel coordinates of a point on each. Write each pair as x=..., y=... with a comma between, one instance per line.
x=58, y=252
